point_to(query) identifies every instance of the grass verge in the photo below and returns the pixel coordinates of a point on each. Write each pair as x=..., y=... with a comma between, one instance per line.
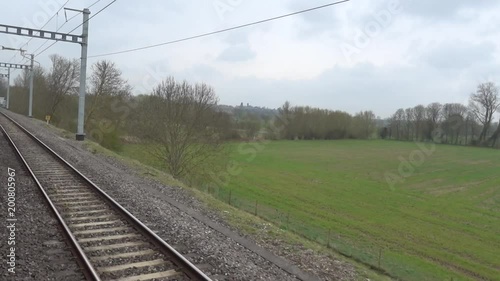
x=259, y=229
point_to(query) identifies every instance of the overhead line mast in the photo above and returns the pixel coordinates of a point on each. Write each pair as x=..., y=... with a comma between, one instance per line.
x=65, y=37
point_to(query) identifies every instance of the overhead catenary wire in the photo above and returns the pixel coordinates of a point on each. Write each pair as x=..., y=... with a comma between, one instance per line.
x=67, y=20
x=68, y=33
x=220, y=31
x=56, y=14
x=46, y=41
x=105, y=7
x=93, y=4
x=56, y=31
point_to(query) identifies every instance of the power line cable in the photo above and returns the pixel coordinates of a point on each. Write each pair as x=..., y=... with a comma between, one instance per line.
x=46, y=41
x=77, y=27
x=56, y=14
x=93, y=4
x=92, y=16
x=67, y=20
x=56, y=31
x=220, y=31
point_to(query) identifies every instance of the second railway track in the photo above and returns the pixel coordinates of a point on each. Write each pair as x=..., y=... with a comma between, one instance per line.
x=110, y=243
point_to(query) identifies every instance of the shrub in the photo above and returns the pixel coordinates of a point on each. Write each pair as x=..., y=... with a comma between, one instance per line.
x=112, y=141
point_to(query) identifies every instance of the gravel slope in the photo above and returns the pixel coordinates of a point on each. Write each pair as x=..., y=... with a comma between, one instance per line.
x=194, y=230
x=40, y=249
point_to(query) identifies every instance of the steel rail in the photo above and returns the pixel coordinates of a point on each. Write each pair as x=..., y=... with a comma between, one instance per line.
x=190, y=269
x=89, y=270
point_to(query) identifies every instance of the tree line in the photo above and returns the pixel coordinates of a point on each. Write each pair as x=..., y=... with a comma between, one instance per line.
x=308, y=123
x=183, y=126
x=450, y=123
x=178, y=122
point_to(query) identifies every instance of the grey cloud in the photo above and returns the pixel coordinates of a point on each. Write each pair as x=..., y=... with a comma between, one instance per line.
x=443, y=9
x=460, y=55
x=155, y=12
x=201, y=73
x=236, y=37
x=426, y=73
x=236, y=54
x=363, y=87
x=318, y=21
x=326, y=20
x=321, y=17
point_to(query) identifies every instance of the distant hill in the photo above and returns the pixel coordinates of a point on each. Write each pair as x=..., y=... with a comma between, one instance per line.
x=245, y=111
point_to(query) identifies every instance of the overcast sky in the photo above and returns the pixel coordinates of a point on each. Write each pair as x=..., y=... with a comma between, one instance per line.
x=360, y=55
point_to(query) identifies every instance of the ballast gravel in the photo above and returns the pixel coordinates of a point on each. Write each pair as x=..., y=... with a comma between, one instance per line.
x=40, y=250
x=183, y=222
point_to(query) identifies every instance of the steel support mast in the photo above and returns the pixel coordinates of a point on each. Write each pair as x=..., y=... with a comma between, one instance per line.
x=16, y=66
x=64, y=37
x=32, y=75
x=8, y=88
x=80, y=134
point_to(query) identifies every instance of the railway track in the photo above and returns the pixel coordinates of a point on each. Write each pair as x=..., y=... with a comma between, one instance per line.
x=108, y=241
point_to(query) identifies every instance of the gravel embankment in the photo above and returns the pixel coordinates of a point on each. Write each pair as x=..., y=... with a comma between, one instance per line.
x=197, y=232
x=41, y=253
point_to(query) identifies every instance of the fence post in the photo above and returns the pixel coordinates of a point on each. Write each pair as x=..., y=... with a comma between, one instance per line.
x=230, y=191
x=256, y=203
x=288, y=220
x=379, y=257
x=328, y=238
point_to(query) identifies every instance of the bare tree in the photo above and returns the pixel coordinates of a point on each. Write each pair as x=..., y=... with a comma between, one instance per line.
x=483, y=105
x=470, y=127
x=363, y=125
x=250, y=125
x=419, y=117
x=309, y=123
x=285, y=119
x=180, y=122
x=454, y=116
x=106, y=84
x=432, y=115
x=62, y=78
x=409, y=123
x=494, y=137
x=19, y=93
x=397, y=123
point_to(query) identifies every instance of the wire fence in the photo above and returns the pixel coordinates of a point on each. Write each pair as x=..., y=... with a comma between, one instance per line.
x=394, y=259
x=372, y=256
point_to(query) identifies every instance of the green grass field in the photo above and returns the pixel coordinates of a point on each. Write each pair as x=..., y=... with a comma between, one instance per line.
x=441, y=221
